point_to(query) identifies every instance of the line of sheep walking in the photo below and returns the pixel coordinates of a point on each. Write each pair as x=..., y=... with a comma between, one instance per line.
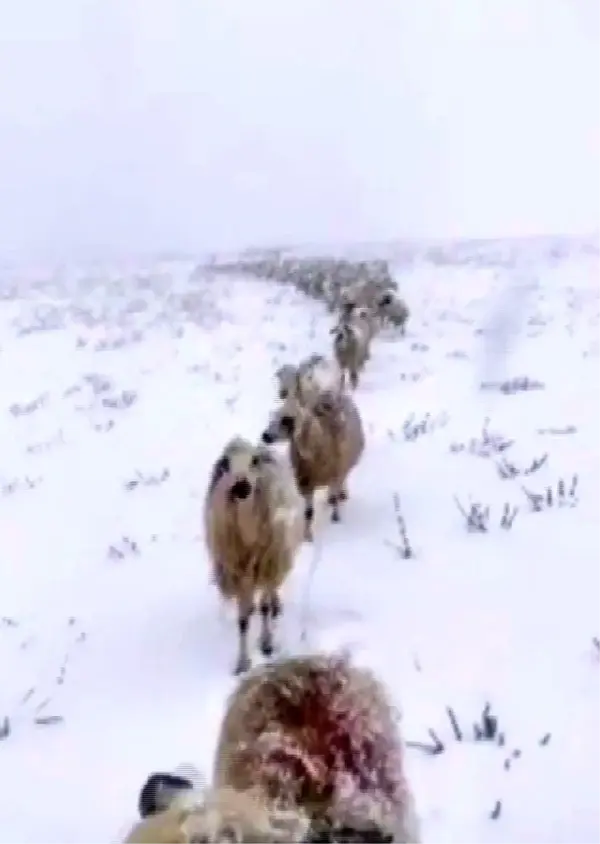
x=310, y=748
x=252, y=502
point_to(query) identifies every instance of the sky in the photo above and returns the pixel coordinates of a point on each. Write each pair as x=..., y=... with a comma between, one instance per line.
x=151, y=125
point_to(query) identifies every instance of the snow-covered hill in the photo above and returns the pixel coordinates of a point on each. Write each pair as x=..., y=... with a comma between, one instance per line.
x=115, y=655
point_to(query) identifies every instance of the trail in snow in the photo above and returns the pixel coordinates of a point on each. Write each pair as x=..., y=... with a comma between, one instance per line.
x=108, y=617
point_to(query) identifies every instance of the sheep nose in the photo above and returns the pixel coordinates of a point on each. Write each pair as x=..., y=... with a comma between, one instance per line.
x=267, y=438
x=241, y=489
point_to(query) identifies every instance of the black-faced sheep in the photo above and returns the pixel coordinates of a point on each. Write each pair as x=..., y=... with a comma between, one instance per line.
x=253, y=528
x=309, y=750
x=327, y=440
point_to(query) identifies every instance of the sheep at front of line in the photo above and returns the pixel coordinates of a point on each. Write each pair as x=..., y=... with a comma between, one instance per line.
x=253, y=518
x=310, y=749
x=327, y=440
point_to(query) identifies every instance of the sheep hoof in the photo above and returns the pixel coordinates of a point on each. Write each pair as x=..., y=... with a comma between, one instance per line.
x=243, y=665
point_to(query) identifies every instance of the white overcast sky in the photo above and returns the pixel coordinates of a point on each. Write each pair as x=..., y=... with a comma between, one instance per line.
x=130, y=125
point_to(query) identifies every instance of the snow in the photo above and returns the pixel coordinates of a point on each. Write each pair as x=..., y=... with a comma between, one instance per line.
x=107, y=616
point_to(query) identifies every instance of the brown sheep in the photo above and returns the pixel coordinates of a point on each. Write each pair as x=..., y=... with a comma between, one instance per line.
x=351, y=345
x=253, y=529
x=327, y=439
x=311, y=744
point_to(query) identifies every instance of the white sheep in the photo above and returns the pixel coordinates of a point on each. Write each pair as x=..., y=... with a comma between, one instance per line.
x=253, y=516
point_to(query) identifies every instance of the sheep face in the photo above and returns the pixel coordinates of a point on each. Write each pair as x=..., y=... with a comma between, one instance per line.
x=237, y=472
x=286, y=377
x=217, y=815
x=281, y=425
x=342, y=334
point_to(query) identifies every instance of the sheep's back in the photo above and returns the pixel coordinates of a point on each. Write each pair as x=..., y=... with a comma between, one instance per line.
x=334, y=721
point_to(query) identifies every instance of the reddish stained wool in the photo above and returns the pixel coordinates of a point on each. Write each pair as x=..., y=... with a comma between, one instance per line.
x=335, y=739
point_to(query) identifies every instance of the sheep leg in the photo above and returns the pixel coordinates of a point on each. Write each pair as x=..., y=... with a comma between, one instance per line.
x=343, y=493
x=354, y=378
x=309, y=514
x=270, y=609
x=245, y=610
x=333, y=499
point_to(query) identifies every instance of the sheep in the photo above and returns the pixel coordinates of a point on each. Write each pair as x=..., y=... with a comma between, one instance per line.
x=308, y=745
x=321, y=373
x=327, y=440
x=316, y=373
x=182, y=814
x=285, y=377
x=351, y=345
x=394, y=310
x=368, y=318
x=365, y=293
x=253, y=529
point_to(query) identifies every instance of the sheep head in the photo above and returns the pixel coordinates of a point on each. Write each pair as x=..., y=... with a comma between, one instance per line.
x=186, y=815
x=238, y=470
x=286, y=378
x=282, y=422
x=297, y=419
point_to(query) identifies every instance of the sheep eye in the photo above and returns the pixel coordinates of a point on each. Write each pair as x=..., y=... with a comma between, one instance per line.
x=385, y=300
x=287, y=423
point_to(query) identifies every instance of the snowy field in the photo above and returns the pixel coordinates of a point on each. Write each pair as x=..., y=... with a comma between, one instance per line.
x=115, y=654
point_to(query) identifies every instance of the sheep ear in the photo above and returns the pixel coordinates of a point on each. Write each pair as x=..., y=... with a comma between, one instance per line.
x=158, y=792
x=220, y=468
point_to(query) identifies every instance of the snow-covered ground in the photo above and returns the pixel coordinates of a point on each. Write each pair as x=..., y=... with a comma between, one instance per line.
x=110, y=632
